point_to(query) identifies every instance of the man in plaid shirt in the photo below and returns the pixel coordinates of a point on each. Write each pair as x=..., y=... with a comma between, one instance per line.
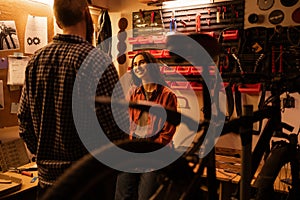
x=45, y=115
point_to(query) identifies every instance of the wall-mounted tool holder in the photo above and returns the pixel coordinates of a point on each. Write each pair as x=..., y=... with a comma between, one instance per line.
x=213, y=17
x=253, y=50
x=205, y=18
x=222, y=20
x=271, y=50
x=148, y=30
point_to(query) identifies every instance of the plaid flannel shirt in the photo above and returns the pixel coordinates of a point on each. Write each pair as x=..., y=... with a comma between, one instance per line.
x=45, y=114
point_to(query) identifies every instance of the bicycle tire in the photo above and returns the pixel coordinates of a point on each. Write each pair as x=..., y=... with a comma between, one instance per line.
x=95, y=175
x=278, y=157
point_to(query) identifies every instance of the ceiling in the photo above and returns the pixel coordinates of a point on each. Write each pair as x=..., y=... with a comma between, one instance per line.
x=106, y=3
x=99, y=3
x=153, y=2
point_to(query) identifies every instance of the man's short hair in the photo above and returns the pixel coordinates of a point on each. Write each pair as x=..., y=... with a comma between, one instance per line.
x=69, y=12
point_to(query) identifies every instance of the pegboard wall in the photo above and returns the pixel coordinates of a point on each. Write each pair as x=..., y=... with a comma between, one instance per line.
x=217, y=19
x=213, y=17
x=222, y=20
x=252, y=48
x=147, y=24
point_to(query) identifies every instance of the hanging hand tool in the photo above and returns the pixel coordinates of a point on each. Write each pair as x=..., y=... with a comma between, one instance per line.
x=208, y=22
x=281, y=59
x=273, y=60
x=218, y=14
x=198, y=22
x=234, y=52
x=224, y=8
x=182, y=22
x=142, y=15
x=208, y=11
x=152, y=17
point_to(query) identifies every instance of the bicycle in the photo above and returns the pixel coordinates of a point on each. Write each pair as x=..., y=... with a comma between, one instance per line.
x=172, y=180
x=185, y=186
x=283, y=153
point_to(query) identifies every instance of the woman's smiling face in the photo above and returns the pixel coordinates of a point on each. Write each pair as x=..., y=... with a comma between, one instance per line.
x=140, y=67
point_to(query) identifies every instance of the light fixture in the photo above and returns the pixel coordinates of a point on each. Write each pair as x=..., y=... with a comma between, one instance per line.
x=183, y=3
x=47, y=2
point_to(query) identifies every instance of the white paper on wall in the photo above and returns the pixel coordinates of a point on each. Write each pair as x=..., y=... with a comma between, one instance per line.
x=35, y=34
x=16, y=69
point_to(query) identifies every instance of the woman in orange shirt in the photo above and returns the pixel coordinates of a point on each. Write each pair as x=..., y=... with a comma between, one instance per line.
x=149, y=86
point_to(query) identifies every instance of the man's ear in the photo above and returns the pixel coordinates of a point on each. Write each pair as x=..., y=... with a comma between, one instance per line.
x=59, y=25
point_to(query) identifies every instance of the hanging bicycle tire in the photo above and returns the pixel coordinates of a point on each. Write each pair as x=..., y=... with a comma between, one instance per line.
x=279, y=156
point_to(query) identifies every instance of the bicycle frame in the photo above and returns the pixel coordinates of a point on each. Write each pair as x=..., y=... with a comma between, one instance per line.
x=272, y=113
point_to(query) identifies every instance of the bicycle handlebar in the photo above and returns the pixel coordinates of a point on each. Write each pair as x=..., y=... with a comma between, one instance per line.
x=175, y=117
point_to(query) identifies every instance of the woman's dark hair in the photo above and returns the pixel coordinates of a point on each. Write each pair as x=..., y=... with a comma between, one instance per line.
x=153, y=68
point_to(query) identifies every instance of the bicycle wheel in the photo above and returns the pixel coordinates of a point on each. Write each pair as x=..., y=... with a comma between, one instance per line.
x=279, y=157
x=90, y=179
x=86, y=179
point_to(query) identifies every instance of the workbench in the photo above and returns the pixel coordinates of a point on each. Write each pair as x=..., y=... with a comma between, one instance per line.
x=28, y=188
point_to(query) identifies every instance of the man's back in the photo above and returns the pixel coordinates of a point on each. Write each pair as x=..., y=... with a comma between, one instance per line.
x=46, y=117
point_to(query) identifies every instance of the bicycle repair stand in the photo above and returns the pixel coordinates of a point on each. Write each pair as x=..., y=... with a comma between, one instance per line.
x=246, y=138
x=208, y=160
x=246, y=131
